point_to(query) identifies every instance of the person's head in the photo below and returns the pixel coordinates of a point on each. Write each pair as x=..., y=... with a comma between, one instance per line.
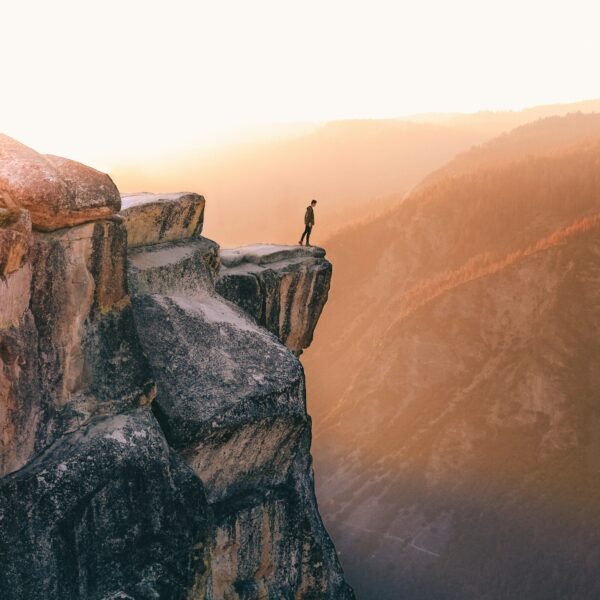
x=313, y=203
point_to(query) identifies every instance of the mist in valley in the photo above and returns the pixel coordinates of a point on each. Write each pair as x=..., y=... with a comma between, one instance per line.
x=452, y=380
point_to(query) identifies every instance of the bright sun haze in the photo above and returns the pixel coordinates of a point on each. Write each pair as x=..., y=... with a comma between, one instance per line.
x=108, y=81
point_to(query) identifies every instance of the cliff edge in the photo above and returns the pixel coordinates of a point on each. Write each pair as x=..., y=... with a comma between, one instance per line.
x=154, y=440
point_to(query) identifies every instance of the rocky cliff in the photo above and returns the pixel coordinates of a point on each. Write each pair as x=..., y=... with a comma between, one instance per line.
x=283, y=288
x=154, y=440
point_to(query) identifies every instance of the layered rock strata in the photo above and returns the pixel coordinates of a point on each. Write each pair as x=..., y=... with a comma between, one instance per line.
x=154, y=441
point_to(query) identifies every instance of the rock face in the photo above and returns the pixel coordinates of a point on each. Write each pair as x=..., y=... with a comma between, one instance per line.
x=231, y=400
x=56, y=191
x=69, y=345
x=155, y=218
x=284, y=288
x=15, y=239
x=108, y=509
x=154, y=441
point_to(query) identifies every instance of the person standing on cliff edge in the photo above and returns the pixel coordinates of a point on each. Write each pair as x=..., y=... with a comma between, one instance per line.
x=309, y=222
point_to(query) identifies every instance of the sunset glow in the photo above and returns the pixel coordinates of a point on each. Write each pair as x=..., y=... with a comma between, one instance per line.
x=299, y=300
x=108, y=81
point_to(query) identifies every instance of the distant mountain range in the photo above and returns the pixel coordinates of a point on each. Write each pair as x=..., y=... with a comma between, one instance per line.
x=355, y=169
x=454, y=379
x=537, y=137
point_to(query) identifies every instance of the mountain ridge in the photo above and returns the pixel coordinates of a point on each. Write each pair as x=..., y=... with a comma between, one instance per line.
x=438, y=386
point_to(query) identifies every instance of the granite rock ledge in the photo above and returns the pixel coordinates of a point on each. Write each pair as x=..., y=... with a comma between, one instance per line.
x=284, y=288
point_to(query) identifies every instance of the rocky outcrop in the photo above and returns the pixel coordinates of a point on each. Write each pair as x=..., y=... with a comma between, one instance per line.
x=108, y=509
x=155, y=218
x=154, y=441
x=284, y=288
x=70, y=348
x=56, y=191
x=231, y=400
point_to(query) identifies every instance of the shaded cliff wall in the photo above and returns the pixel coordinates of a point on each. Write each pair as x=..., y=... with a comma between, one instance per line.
x=231, y=401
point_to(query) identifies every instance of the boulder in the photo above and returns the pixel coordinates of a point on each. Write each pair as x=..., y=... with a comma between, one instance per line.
x=108, y=511
x=57, y=192
x=234, y=414
x=284, y=288
x=157, y=218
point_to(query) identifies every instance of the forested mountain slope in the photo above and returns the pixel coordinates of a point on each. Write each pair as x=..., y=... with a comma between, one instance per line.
x=454, y=386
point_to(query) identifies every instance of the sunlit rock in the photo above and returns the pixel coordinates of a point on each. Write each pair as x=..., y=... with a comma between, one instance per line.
x=156, y=218
x=15, y=239
x=57, y=192
x=70, y=349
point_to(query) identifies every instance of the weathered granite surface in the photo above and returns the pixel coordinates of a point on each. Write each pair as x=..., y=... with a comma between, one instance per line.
x=232, y=413
x=173, y=268
x=70, y=350
x=231, y=400
x=57, y=192
x=117, y=367
x=284, y=288
x=156, y=218
x=15, y=239
x=108, y=509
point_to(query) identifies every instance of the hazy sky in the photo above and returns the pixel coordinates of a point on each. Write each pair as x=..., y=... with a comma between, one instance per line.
x=104, y=80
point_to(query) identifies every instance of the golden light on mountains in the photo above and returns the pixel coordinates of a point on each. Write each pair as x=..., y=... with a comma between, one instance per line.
x=443, y=334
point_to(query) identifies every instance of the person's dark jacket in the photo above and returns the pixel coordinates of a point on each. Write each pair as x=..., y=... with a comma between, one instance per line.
x=309, y=217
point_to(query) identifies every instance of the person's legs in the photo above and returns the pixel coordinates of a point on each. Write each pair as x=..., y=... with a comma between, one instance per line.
x=308, y=230
x=306, y=234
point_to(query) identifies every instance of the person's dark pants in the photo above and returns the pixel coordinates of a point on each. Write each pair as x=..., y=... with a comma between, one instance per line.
x=306, y=233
